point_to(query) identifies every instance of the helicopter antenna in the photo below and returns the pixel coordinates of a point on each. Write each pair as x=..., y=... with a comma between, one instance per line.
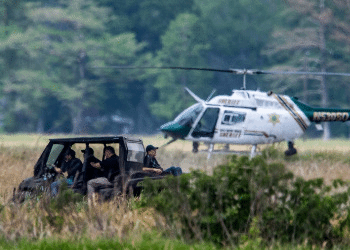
x=211, y=94
x=244, y=81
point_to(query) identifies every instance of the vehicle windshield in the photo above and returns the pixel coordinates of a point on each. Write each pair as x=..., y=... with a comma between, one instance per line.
x=55, y=152
x=189, y=115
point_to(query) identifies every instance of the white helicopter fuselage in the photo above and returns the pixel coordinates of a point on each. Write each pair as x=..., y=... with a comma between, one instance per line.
x=248, y=117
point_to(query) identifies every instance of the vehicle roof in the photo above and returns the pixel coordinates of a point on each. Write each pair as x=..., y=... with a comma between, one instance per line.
x=103, y=139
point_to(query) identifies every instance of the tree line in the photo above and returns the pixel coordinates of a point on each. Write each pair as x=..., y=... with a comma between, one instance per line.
x=55, y=58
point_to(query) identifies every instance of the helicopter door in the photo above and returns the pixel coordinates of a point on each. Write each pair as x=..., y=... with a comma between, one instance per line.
x=206, y=125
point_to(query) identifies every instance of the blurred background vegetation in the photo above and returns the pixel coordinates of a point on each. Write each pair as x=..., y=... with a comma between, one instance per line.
x=54, y=53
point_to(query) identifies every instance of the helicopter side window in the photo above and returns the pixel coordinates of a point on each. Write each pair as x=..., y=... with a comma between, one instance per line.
x=206, y=125
x=227, y=119
x=267, y=104
x=188, y=116
x=230, y=118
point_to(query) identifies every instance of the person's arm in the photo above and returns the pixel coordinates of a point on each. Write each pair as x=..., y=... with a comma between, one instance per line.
x=61, y=169
x=155, y=170
x=58, y=170
x=96, y=165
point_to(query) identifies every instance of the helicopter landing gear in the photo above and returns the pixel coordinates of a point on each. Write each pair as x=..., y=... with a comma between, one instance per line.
x=195, y=146
x=253, y=151
x=291, y=149
x=210, y=150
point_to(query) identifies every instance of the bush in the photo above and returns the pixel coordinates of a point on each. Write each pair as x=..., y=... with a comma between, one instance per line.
x=221, y=207
x=58, y=207
x=65, y=198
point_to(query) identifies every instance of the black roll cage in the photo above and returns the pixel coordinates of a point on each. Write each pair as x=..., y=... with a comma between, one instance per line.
x=125, y=166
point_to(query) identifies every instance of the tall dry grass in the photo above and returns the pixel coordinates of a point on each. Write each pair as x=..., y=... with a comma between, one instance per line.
x=37, y=219
x=19, y=153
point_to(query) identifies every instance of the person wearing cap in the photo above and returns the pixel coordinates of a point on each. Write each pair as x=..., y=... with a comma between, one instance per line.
x=110, y=169
x=151, y=164
x=91, y=172
x=71, y=166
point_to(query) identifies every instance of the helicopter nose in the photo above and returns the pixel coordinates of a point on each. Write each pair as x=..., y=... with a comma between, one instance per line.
x=175, y=130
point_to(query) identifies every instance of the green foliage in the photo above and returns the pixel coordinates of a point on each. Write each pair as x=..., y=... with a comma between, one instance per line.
x=144, y=242
x=272, y=152
x=65, y=199
x=49, y=51
x=250, y=198
x=56, y=208
x=236, y=25
x=183, y=44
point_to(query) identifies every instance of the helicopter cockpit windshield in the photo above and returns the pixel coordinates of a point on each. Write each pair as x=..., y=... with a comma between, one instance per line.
x=189, y=115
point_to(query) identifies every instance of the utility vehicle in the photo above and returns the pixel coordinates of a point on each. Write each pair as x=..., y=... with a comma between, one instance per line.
x=131, y=153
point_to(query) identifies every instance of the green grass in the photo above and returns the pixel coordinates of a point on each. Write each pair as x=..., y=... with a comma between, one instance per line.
x=145, y=242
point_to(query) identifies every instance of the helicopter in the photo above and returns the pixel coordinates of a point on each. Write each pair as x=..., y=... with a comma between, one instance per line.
x=247, y=117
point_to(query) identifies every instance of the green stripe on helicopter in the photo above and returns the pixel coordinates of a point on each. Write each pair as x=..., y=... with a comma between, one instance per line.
x=323, y=114
x=175, y=129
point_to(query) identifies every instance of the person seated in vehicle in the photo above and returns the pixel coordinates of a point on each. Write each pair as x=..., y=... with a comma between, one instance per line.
x=71, y=166
x=110, y=169
x=151, y=164
x=87, y=173
x=89, y=157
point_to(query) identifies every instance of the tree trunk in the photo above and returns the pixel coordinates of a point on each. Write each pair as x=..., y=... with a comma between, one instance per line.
x=79, y=126
x=77, y=120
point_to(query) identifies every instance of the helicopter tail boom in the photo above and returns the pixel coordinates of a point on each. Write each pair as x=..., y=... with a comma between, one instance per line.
x=323, y=114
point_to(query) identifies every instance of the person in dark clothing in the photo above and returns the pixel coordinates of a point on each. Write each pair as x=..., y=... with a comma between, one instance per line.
x=110, y=169
x=91, y=172
x=71, y=166
x=88, y=172
x=151, y=164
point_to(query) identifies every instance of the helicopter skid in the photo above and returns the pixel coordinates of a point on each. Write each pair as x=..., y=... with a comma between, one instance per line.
x=228, y=152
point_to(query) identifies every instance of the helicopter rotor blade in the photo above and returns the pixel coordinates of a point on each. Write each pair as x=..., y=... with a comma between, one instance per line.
x=233, y=71
x=194, y=95
x=258, y=72
x=180, y=68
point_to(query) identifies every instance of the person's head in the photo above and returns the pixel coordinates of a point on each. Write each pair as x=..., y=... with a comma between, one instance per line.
x=151, y=150
x=109, y=151
x=89, y=151
x=69, y=155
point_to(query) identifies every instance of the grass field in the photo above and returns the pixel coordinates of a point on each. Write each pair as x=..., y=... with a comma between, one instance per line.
x=18, y=154
x=316, y=158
